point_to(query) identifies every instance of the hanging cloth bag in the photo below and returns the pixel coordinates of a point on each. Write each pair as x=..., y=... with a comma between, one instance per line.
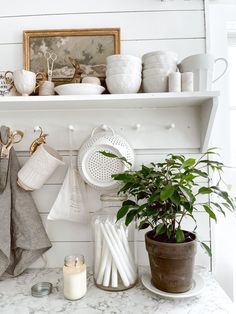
x=70, y=203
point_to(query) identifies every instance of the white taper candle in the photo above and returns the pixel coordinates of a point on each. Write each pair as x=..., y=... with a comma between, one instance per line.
x=116, y=256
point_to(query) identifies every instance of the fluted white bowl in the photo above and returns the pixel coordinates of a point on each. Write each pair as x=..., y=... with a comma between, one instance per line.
x=123, y=70
x=155, y=84
x=165, y=66
x=155, y=71
x=124, y=63
x=158, y=55
x=124, y=66
x=123, y=83
x=119, y=57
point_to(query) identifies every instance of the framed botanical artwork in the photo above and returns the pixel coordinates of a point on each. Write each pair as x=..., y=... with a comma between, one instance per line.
x=76, y=51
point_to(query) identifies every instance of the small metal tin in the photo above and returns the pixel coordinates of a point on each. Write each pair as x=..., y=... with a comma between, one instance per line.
x=41, y=289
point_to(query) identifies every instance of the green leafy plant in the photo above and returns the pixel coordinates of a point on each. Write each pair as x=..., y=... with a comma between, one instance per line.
x=162, y=194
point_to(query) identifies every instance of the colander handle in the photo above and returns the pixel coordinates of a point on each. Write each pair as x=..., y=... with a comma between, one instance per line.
x=102, y=127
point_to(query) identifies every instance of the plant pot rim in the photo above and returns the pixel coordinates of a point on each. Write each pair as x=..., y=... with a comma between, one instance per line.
x=170, y=244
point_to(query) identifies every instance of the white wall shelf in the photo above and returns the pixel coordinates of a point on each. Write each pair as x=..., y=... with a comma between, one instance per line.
x=137, y=101
x=192, y=114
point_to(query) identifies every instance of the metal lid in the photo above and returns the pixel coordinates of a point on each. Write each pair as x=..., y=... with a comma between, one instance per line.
x=41, y=289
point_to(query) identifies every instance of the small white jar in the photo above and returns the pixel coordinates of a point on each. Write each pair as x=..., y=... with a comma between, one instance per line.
x=74, y=277
x=187, y=81
x=174, y=82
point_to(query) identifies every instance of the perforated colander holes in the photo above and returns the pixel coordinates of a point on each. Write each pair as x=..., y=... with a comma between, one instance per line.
x=101, y=168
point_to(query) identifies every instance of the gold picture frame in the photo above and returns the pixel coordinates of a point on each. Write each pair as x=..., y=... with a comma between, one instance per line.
x=88, y=47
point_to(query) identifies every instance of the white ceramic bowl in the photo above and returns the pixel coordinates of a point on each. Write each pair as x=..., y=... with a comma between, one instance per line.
x=119, y=57
x=159, y=54
x=165, y=66
x=124, y=63
x=124, y=66
x=155, y=71
x=161, y=61
x=123, y=84
x=155, y=84
x=123, y=70
x=79, y=89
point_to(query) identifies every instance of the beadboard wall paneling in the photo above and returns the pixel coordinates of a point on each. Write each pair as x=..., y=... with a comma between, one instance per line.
x=79, y=232
x=55, y=256
x=27, y=7
x=58, y=176
x=12, y=54
x=152, y=26
x=45, y=197
x=153, y=133
x=145, y=26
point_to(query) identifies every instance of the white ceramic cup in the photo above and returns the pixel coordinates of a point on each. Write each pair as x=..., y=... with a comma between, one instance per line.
x=46, y=88
x=202, y=66
x=39, y=167
x=6, y=84
x=25, y=81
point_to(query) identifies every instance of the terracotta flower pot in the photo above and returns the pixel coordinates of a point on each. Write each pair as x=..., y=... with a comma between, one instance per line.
x=171, y=264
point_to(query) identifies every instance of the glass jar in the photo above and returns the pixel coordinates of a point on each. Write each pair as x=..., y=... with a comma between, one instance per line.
x=74, y=277
x=115, y=262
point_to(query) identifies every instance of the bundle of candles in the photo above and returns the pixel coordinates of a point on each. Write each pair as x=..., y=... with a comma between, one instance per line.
x=114, y=265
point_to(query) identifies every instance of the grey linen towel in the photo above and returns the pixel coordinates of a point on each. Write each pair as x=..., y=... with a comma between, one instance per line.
x=23, y=238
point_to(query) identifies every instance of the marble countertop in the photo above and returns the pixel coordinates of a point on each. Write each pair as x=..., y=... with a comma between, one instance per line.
x=15, y=297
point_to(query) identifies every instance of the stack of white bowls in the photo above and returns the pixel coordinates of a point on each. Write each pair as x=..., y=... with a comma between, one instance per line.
x=123, y=74
x=157, y=66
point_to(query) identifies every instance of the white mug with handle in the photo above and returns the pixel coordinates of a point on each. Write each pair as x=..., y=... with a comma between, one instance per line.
x=39, y=167
x=202, y=65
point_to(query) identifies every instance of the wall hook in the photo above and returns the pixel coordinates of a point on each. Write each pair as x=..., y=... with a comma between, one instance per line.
x=171, y=126
x=137, y=126
x=37, y=128
x=104, y=127
x=40, y=140
x=71, y=127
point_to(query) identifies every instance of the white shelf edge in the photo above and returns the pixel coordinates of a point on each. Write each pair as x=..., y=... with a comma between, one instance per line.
x=107, y=101
x=109, y=97
x=205, y=101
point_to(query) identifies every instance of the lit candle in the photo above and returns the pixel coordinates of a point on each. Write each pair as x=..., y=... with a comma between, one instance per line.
x=75, y=277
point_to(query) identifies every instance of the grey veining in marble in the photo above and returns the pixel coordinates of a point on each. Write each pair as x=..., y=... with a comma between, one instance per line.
x=15, y=298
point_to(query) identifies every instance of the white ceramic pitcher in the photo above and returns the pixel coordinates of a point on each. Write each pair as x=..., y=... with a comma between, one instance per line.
x=202, y=65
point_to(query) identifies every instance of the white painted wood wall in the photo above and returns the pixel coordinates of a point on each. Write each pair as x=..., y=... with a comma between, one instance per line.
x=146, y=25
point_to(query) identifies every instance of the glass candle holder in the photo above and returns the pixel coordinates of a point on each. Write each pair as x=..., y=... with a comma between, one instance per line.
x=74, y=277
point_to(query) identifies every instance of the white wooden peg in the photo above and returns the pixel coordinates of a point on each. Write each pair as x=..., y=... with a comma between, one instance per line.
x=37, y=128
x=171, y=126
x=71, y=127
x=137, y=126
x=104, y=127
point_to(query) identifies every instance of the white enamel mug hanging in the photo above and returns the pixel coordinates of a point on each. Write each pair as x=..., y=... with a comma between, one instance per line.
x=96, y=169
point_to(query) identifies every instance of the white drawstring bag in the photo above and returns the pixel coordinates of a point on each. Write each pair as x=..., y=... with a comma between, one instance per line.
x=70, y=203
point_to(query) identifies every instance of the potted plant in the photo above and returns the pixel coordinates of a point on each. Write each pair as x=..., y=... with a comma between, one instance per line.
x=160, y=196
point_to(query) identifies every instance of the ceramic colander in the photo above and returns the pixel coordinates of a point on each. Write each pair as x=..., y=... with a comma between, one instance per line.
x=96, y=169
